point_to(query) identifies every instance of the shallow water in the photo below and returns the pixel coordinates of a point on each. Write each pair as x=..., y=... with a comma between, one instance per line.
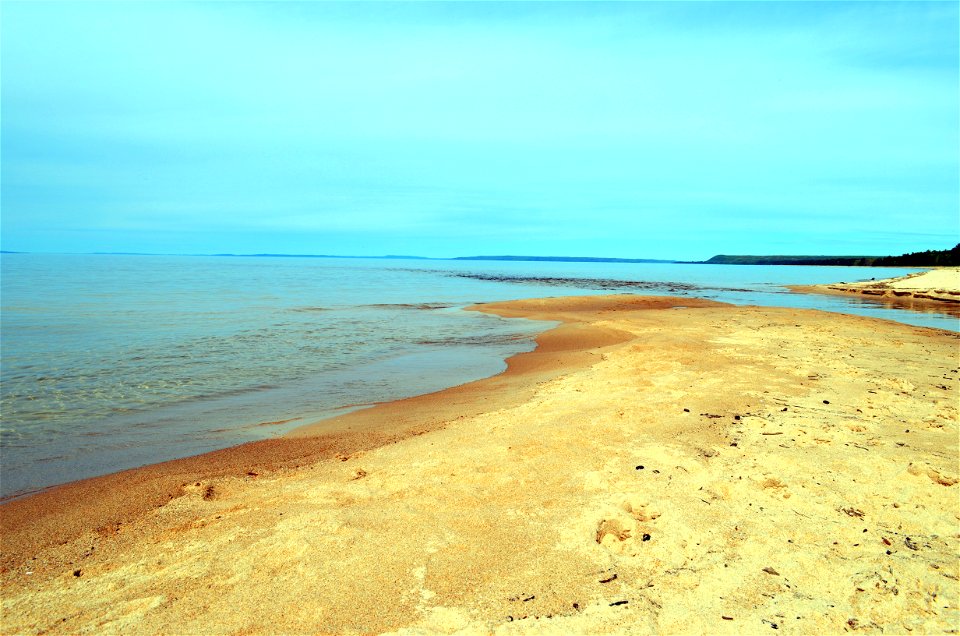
x=111, y=362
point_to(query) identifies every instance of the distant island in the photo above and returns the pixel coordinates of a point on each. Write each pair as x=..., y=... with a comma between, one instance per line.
x=929, y=258
x=562, y=259
x=553, y=259
x=388, y=256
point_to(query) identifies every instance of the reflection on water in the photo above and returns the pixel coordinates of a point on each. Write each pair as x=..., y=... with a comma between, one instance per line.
x=907, y=303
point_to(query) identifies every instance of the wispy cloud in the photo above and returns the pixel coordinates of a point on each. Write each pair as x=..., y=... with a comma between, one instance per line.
x=463, y=128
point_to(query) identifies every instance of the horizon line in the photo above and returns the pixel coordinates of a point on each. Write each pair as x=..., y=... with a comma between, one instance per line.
x=355, y=256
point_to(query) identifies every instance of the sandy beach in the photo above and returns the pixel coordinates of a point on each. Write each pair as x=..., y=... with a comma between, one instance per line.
x=656, y=465
x=937, y=290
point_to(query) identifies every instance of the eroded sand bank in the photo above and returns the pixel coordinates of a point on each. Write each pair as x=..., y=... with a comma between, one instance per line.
x=709, y=469
x=937, y=289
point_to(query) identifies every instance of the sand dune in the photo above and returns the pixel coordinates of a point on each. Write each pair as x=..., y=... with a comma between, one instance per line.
x=650, y=468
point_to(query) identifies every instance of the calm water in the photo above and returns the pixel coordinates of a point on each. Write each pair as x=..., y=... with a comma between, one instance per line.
x=111, y=362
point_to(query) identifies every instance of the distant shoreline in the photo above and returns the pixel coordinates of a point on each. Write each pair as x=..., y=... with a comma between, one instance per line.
x=916, y=260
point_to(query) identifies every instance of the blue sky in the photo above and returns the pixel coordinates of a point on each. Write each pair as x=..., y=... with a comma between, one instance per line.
x=649, y=130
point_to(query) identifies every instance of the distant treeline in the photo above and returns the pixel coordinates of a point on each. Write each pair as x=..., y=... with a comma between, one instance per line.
x=922, y=259
x=930, y=258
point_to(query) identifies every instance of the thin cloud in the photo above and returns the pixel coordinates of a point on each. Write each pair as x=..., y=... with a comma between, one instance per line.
x=400, y=126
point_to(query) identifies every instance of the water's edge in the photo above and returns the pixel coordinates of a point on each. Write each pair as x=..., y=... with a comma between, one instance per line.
x=334, y=337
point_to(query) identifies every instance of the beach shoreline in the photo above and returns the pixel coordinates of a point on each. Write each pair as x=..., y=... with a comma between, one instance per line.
x=530, y=496
x=932, y=290
x=37, y=520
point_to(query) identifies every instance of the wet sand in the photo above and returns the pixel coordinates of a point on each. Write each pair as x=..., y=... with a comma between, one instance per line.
x=649, y=468
x=935, y=290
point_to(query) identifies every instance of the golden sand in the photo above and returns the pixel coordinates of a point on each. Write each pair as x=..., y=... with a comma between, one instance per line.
x=937, y=289
x=649, y=468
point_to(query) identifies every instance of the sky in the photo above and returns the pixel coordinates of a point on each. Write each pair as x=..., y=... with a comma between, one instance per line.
x=637, y=130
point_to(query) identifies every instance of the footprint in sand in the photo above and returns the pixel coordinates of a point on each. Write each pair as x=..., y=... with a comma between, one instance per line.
x=613, y=531
x=935, y=475
x=777, y=486
x=208, y=492
x=618, y=533
x=772, y=482
x=639, y=511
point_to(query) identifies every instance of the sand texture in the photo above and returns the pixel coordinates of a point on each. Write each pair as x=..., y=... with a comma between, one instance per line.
x=649, y=469
x=937, y=288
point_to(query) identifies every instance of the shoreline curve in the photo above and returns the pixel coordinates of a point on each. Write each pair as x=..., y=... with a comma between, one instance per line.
x=36, y=520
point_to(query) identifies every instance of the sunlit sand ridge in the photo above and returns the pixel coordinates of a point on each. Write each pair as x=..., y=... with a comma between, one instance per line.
x=650, y=468
x=937, y=288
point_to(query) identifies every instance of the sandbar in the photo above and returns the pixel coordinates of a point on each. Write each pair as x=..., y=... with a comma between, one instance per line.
x=656, y=465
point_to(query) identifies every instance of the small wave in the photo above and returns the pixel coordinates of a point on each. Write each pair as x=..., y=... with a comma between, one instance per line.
x=21, y=493
x=309, y=309
x=422, y=306
x=52, y=458
x=175, y=401
x=479, y=341
x=230, y=429
x=8, y=435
